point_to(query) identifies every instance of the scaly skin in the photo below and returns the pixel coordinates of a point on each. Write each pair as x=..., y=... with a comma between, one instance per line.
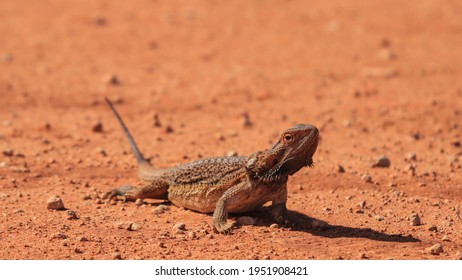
x=225, y=185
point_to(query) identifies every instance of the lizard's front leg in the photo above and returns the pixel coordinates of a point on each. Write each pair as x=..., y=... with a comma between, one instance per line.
x=278, y=207
x=229, y=200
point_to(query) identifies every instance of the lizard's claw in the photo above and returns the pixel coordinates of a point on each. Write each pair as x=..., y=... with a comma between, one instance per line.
x=223, y=227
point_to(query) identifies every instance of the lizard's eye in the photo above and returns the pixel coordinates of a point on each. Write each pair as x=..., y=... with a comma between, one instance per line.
x=288, y=138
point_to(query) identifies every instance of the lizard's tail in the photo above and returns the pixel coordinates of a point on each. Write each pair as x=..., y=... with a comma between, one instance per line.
x=138, y=155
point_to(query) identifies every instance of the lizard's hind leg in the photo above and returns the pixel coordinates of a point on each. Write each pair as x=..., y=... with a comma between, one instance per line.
x=152, y=189
x=126, y=191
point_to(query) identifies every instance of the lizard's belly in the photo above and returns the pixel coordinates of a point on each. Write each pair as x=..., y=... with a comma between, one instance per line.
x=207, y=205
x=204, y=199
x=199, y=199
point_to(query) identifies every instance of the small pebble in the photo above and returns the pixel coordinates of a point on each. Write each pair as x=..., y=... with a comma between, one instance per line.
x=456, y=143
x=415, y=219
x=363, y=256
x=367, y=178
x=8, y=152
x=55, y=203
x=459, y=256
x=232, y=154
x=78, y=251
x=274, y=226
x=436, y=249
x=410, y=169
x=111, y=79
x=139, y=202
x=101, y=151
x=362, y=204
x=59, y=235
x=160, y=209
x=246, y=122
x=169, y=129
x=179, y=231
x=98, y=127
x=116, y=256
x=180, y=226
x=156, y=120
x=124, y=225
x=71, y=215
x=246, y=221
x=192, y=235
x=162, y=245
x=446, y=238
x=83, y=239
x=134, y=227
x=433, y=228
x=411, y=157
x=86, y=197
x=379, y=218
x=382, y=162
x=340, y=169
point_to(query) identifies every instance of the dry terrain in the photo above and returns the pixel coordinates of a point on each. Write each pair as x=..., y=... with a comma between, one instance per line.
x=196, y=79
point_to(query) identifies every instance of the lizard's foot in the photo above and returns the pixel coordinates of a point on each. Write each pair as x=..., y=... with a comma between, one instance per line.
x=278, y=213
x=223, y=227
x=128, y=192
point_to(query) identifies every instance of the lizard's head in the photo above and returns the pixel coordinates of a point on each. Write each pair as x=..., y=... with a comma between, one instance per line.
x=293, y=151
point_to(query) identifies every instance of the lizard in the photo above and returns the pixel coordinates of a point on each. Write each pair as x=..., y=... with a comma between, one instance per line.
x=230, y=184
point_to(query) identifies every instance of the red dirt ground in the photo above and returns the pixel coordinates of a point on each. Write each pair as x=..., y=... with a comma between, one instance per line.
x=377, y=77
